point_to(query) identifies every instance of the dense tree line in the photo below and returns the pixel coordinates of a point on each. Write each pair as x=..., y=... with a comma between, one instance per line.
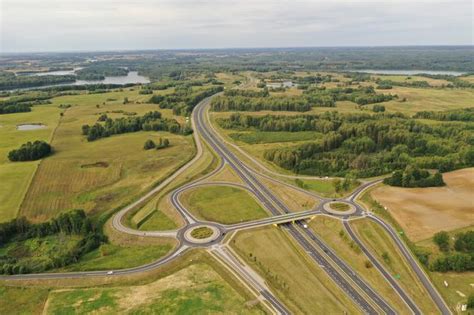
x=20, y=104
x=247, y=93
x=360, y=96
x=387, y=84
x=273, y=103
x=414, y=177
x=318, y=96
x=465, y=114
x=74, y=222
x=367, y=144
x=99, y=72
x=9, y=80
x=30, y=151
x=147, y=122
x=183, y=101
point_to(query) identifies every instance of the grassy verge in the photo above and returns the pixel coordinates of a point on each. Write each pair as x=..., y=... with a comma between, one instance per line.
x=223, y=204
x=332, y=232
x=292, y=275
x=388, y=254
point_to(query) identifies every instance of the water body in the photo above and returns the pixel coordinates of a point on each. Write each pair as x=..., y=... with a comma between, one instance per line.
x=59, y=72
x=410, y=72
x=30, y=127
x=131, y=78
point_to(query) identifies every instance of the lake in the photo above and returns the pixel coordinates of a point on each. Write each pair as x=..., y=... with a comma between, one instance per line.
x=131, y=78
x=410, y=72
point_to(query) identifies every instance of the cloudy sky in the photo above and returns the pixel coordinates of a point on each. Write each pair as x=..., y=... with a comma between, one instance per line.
x=71, y=25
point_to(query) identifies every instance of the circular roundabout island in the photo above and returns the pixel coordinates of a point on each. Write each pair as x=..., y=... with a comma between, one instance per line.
x=201, y=234
x=339, y=208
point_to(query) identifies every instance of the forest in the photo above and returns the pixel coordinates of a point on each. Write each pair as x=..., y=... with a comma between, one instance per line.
x=363, y=144
x=242, y=100
x=147, y=122
x=99, y=72
x=184, y=99
x=18, y=230
x=9, y=80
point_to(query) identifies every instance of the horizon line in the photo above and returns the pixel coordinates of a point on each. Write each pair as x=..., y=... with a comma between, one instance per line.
x=223, y=48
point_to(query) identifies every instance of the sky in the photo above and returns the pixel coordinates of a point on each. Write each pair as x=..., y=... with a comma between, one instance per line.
x=94, y=25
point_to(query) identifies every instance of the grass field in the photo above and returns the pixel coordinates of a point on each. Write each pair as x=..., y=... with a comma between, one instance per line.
x=197, y=289
x=339, y=206
x=111, y=256
x=329, y=229
x=410, y=79
x=382, y=246
x=295, y=200
x=22, y=300
x=253, y=137
x=424, y=211
x=222, y=204
x=102, y=175
x=292, y=275
x=201, y=232
x=429, y=99
x=324, y=187
x=16, y=177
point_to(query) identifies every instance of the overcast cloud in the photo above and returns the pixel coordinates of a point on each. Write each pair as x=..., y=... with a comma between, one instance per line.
x=65, y=25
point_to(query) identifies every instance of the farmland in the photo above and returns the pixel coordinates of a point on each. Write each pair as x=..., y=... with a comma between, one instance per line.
x=99, y=176
x=424, y=211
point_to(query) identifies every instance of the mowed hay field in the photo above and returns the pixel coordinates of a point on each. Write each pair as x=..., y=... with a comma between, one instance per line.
x=16, y=177
x=424, y=211
x=102, y=175
x=428, y=99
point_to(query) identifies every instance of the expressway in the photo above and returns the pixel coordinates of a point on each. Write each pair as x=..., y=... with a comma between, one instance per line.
x=360, y=292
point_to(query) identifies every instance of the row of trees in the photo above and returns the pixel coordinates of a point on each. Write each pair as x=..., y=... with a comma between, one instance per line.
x=74, y=222
x=20, y=104
x=412, y=176
x=465, y=114
x=183, y=101
x=99, y=72
x=369, y=144
x=247, y=93
x=241, y=103
x=30, y=151
x=149, y=121
x=9, y=80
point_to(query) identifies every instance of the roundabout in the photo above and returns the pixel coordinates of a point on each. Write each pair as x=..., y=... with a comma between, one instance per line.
x=202, y=234
x=339, y=208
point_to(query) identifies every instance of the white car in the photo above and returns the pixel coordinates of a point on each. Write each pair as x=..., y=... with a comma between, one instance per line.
x=110, y=272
